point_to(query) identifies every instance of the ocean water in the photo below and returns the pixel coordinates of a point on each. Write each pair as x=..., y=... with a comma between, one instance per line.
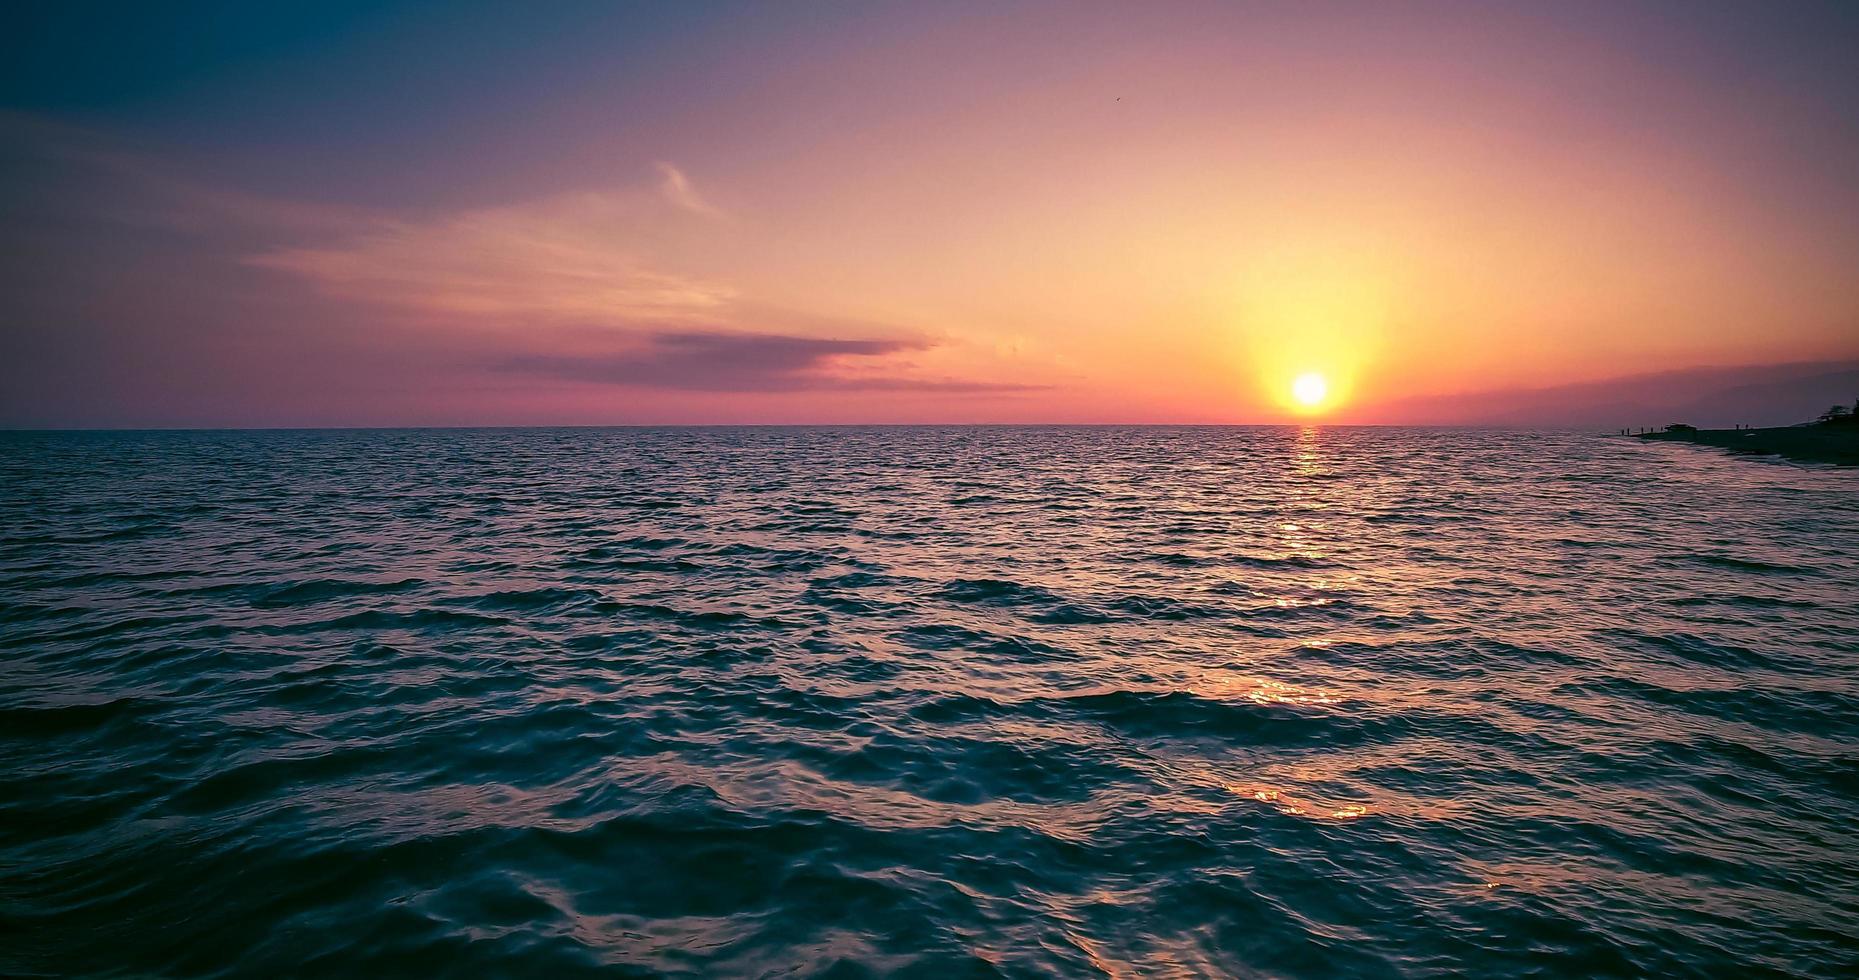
x=942, y=702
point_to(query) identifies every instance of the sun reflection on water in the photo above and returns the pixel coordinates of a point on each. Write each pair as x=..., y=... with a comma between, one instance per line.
x=1293, y=806
x=1278, y=692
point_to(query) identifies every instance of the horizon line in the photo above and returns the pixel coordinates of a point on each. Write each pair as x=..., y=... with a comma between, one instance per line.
x=10, y=430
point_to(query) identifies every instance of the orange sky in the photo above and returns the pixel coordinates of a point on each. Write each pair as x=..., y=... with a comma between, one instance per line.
x=1096, y=213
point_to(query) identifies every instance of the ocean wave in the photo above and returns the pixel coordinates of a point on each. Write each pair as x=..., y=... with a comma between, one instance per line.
x=992, y=701
x=323, y=590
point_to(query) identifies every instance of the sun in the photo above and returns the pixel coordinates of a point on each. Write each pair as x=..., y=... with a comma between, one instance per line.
x=1310, y=389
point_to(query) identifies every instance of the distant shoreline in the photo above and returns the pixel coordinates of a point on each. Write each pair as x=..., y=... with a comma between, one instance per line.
x=1804, y=443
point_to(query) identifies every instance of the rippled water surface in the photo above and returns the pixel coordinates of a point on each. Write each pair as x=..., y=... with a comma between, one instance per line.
x=931, y=702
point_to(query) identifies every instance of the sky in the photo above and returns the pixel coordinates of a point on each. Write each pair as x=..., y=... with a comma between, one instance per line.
x=321, y=213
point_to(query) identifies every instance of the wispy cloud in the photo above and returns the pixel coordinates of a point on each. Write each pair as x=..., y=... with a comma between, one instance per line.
x=677, y=188
x=714, y=361
x=574, y=258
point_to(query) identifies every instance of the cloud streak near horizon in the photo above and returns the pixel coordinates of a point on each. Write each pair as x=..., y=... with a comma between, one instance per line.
x=745, y=363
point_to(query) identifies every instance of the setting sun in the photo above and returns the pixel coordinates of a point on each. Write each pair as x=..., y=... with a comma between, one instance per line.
x=1309, y=390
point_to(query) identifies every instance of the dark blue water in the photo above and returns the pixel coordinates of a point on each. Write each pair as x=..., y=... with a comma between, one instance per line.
x=925, y=702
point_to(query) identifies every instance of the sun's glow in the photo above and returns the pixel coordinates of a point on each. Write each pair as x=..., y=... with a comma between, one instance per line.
x=1310, y=389
x=1309, y=326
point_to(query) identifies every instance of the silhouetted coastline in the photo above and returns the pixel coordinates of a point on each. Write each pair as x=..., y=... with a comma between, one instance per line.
x=1837, y=444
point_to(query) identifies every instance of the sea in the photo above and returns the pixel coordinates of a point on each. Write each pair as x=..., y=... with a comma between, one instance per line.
x=925, y=702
